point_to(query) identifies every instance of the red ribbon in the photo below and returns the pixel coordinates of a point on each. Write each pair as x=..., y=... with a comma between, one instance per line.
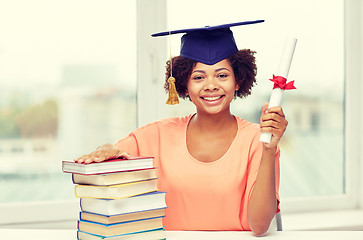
x=280, y=82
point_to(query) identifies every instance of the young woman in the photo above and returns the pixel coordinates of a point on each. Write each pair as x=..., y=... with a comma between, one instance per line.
x=216, y=172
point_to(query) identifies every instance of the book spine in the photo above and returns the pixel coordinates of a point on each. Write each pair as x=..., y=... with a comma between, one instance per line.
x=121, y=223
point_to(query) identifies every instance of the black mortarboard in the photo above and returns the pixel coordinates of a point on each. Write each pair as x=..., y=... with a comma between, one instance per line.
x=208, y=45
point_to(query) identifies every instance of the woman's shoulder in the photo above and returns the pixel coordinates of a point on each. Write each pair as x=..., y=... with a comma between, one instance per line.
x=168, y=123
x=248, y=129
x=175, y=120
x=246, y=125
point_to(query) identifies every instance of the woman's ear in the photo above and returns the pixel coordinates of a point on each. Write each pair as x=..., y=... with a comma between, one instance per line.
x=237, y=87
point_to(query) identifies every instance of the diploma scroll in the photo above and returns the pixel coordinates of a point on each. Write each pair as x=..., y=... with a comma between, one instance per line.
x=280, y=80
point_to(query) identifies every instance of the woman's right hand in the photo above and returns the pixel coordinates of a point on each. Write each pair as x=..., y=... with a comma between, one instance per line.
x=102, y=153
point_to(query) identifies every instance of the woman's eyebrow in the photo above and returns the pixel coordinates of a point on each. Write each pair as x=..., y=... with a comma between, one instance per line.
x=220, y=69
x=200, y=71
x=217, y=70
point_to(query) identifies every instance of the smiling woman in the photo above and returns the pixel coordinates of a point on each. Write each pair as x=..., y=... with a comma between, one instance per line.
x=316, y=114
x=245, y=171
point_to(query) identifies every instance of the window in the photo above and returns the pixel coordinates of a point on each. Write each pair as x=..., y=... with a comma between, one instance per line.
x=72, y=64
x=68, y=85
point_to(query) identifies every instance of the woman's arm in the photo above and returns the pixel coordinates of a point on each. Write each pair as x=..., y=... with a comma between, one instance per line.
x=263, y=203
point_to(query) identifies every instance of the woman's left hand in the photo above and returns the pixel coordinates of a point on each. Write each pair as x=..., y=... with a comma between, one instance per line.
x=273, y=121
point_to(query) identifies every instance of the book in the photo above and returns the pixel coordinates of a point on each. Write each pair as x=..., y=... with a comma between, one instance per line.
x=120, y=228
x=138, y=203
x=114, y=178
x=110, y=219
x=112, y=165
x=155, y=234
x=118, y=191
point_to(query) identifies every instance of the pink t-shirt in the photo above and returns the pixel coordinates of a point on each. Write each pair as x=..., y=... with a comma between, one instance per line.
x=201, y=196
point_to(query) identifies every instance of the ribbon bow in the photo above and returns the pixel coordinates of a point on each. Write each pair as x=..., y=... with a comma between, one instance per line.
x=280, y=82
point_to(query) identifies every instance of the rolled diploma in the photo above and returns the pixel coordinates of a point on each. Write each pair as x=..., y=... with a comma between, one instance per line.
x=283, y=71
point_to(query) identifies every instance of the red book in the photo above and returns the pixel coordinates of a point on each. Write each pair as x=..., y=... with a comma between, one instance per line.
x=108, y=166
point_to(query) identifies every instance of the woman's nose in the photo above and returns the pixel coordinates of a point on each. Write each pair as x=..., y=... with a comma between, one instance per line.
x=210, y=84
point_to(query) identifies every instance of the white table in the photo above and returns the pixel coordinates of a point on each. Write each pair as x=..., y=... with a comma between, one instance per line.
x=45, y=234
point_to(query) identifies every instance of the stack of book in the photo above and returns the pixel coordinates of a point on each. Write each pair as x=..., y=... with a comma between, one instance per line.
x=119, y=199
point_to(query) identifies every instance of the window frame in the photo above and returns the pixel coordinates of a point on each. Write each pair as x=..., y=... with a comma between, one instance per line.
x=151, y=55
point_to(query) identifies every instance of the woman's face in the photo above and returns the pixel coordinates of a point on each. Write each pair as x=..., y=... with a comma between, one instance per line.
x=211, y=87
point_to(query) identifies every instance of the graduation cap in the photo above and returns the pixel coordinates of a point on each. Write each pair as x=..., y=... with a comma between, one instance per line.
x=207, y=45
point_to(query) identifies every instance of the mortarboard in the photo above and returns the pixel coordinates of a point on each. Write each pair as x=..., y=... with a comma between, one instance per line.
x=208, y=45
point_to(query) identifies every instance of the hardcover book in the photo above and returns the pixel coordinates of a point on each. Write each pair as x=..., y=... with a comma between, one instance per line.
x=155, y=234
x=116, y=191
x=108, y=166
x=138, y=203
x=110, y=219
x=114, y=178
x=120, y=228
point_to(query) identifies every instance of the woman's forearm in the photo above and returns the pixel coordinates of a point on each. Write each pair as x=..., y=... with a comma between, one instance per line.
x=262, y=205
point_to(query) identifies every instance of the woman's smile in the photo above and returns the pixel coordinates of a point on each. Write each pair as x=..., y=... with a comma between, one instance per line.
x=212, y=87
x=213, y=100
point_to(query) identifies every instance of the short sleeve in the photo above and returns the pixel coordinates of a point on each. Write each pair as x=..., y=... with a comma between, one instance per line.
x=129, y=145
x=144, y=141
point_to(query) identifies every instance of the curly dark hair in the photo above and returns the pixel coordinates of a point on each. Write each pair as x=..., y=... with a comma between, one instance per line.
x=242, y=62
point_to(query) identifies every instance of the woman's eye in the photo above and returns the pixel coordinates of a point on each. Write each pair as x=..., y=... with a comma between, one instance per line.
x=198, y=78
x=222, y=75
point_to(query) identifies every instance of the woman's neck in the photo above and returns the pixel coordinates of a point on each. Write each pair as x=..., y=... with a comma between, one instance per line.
x=210, y=122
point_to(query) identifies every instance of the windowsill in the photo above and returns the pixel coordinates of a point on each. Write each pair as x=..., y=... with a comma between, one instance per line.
x=327, y=220
x=309, y=221
x=49, y=212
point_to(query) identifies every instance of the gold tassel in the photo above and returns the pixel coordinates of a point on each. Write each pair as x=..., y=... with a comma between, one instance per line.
x=173, y=96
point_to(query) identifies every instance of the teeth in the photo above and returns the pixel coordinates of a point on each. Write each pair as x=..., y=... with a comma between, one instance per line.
x=211, y=98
